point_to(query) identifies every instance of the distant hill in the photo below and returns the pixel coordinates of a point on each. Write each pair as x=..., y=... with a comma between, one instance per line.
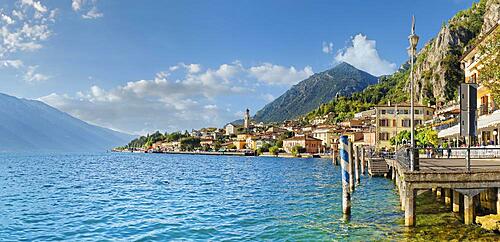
x=320, y=88
x=29, y=125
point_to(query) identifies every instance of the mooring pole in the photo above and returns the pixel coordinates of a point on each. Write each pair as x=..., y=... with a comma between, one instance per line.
x=356, y=164
x=351, y=166
x=363, y=161
x=346, y=192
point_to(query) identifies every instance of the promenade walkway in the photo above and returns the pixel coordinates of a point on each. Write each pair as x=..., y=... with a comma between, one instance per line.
x=464, y=191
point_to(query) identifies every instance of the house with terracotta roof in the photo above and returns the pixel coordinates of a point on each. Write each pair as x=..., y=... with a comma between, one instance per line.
x=310, y=144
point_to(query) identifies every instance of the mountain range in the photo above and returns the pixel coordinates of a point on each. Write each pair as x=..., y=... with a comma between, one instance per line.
x=30, y=125
x=343, y=79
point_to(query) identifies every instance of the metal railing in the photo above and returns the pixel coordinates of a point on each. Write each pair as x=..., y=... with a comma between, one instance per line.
x=464, y=153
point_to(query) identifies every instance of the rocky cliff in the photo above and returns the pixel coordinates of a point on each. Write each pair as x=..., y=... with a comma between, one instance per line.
x=437, y=66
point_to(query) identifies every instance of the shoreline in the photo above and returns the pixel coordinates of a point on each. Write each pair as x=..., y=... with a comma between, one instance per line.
x=231, y=153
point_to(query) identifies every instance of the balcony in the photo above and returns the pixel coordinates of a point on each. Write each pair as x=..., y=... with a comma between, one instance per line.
x=485, y=109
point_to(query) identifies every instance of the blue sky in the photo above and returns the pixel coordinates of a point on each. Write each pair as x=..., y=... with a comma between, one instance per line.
x=138, y=66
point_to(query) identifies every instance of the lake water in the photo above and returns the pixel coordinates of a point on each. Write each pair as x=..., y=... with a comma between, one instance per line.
x=118, y=196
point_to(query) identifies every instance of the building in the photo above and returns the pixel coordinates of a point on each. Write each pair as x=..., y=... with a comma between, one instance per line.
x=472, y=63
x=240, y=144
x=230, y=129
x=392, y=119
x=310, y=144
x=246, y=119
x=325, y=135
x=488, y=121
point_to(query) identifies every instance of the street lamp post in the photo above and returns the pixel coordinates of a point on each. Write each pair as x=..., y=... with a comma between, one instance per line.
x=413, y=38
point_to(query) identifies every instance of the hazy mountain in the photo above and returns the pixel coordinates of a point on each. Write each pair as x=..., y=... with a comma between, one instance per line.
x=29, y=125
x=308, y=94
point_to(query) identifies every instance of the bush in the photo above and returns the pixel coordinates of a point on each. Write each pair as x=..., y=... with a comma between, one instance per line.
x=274, y=150
x=296, y=150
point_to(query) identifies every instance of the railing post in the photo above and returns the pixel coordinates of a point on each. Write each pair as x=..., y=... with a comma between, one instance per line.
x=467, y=159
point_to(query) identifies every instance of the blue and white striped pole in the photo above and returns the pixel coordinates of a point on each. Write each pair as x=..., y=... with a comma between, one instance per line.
x=345, y=167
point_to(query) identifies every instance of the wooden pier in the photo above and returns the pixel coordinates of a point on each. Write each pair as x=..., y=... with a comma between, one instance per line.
x=462, y=190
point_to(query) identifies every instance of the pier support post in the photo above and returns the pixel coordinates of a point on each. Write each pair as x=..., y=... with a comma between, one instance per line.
x=402, y=195
x=447, y=197
x=456, y=201
x=351, y=167
x=438, y=194
x=498, y=200
x=469, y=209
x=345, y=164
x=410, y=205
x=393, y=173
x=356, y=164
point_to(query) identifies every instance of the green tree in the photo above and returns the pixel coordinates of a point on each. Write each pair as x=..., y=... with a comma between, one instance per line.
x=190, y=143
x=426, y=137
x=402, y=136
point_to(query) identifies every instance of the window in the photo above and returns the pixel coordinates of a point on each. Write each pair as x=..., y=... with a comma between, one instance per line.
x=383, y=111
x=394, y=123
x=405, y=123
x=405, y=111
x=418, y=111
x=418, y=122
x=384, y=123
x=384, y=136
x=390, y=111
x=473, y=78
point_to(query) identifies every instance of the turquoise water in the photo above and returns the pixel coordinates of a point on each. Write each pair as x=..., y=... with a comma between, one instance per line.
x=115, y=196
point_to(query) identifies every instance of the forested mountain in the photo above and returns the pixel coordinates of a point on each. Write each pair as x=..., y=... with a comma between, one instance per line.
x=320, y=88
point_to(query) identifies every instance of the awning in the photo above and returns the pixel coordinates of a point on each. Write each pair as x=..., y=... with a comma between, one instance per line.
x=484, y=121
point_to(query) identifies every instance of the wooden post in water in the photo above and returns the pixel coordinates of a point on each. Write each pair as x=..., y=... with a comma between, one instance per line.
x=363, y=160
x=345, y=167
x=356, y=164
x=351, y=167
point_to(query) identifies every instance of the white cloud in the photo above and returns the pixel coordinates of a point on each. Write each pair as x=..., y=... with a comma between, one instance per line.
x=12, y=63
x=184, y=96
x=88, y=7
x=268, y=97
x=26, y=24
x=76, y=4
x=363, y=55
x=327, y=47
x=93, y=14
x=38, y=6
x=32, y=76
x=280, y=75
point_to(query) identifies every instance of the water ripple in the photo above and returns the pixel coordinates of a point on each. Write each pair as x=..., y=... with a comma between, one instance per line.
x=139, y=197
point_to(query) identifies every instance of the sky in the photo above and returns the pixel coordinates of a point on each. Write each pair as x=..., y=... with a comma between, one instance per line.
x=141, y=66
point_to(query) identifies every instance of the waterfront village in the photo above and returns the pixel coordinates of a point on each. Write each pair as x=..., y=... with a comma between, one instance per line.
x=382, y=128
